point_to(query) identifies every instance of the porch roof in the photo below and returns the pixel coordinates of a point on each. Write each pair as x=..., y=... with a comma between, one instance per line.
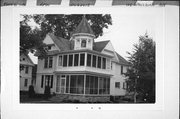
x=83, y=72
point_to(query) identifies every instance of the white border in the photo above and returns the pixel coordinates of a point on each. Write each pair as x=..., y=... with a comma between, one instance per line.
x=159, y=65
x=11, y=87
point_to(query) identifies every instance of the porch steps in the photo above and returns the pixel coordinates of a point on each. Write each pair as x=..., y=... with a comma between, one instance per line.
x=59, y=98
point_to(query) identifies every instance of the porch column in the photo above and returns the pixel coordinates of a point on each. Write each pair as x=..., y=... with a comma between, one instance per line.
x=84, y=84
x=69, y=83
x=85, y=59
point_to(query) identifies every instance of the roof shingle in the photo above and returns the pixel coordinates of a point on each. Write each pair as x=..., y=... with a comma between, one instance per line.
x=84, y=27
x=122, y=60
x=99, y=46
x=62, y=44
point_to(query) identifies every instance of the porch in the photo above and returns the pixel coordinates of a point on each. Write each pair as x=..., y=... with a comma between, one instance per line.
x=82, y=84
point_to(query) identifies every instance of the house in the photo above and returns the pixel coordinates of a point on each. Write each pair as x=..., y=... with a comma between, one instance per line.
x=81, y=68
x=34, y=70
x=26, y=66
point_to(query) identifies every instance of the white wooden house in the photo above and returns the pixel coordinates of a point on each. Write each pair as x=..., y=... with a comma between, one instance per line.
x=26, y=66
x=81, y=68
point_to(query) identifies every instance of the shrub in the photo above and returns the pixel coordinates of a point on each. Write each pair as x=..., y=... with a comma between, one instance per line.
x=31, y=91
x=47, y=92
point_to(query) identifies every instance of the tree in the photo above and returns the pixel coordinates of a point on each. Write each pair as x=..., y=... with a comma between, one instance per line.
x=61, y=25
x=142, y=74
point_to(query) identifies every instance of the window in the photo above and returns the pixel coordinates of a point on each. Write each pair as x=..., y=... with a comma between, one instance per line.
x=83, y=43
x=48, y=80
x=99, y=62
x=82, y=56
x=58, y=83
x=94, y=61
x=111, y=66
x=51, y=81
x=104, y=63
x=49, y=47
x=117, y=84
x=76, y=59
x=122, y=69
x=60, y=61
x=91, y=84
x=104, y=85
x=88, y=59
x=67, y=84
x=42, y=81
x=108, y=63
x=26, y=69
x=77, y=84
x=65, y=60
x=124, y=85
x=70, y=60
x=25, y=82
x=48, y=61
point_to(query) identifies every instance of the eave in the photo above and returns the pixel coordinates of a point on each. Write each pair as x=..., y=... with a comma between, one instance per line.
x=83, y=72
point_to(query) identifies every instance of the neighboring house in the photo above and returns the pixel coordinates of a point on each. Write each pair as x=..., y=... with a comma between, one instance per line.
x=81, y=68
x=26, y=66
x=34, y=70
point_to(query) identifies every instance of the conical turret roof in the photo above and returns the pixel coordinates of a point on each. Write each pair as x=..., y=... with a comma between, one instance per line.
x=83, y=27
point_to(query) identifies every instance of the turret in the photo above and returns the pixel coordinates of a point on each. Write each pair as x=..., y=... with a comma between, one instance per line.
x=83, y=36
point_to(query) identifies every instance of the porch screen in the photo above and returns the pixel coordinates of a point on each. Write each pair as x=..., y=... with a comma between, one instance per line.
x=91, y=85
x=77, y=84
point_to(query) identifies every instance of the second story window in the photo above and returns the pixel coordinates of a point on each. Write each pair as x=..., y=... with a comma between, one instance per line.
x=122, y=69
x=25, y=82
x=82, y=56
x=76, y=59
x=83, y=43
x=99, y=62
x=94, y=61
x=48, y=62
x=88, y=59
x=60, y=61
x=26, y=69
x=70, y=60
x=104, y=63
x=65, y=61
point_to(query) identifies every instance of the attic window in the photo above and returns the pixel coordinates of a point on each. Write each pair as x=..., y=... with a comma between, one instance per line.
x=23, y=59
x=83, y=43
x=49, y=47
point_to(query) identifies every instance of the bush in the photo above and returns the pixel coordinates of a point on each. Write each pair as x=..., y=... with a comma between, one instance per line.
x=31, y=91
x=47, y=92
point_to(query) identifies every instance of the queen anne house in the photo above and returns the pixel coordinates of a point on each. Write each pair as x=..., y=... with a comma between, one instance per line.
x=81, y=68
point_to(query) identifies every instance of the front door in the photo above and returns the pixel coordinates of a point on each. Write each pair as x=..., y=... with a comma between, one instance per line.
x=60, y=84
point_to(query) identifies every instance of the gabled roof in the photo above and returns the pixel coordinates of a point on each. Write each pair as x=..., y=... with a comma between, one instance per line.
x=27, y=60
x=122, y=60
x=62, y=44
x=84, y=27
x=99, y=46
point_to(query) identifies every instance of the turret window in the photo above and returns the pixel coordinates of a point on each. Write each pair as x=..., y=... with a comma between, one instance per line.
x=83, y=43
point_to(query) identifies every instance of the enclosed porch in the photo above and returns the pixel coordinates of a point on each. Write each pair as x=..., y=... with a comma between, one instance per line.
x=82, y=84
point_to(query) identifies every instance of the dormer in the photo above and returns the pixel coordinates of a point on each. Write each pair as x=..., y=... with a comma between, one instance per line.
x=50, y=45
x=83, y=36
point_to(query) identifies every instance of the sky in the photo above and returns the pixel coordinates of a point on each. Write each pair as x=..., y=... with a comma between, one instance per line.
x=126, y=29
